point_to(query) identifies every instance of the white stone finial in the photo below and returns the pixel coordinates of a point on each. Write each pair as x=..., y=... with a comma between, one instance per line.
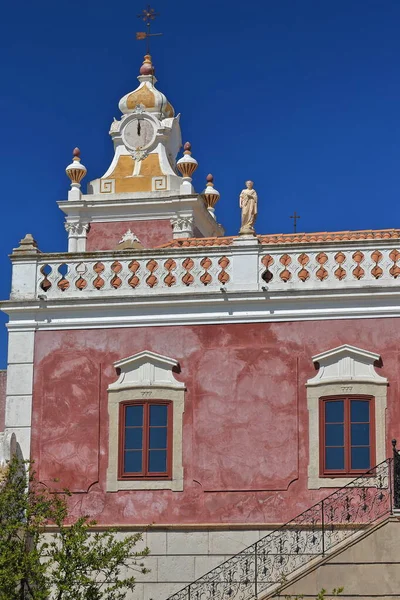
x=211, y=195
x=187, y=166
x=76, y=171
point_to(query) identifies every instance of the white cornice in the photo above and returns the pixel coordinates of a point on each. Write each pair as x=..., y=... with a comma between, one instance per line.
x=120, y=207
x=201, y=308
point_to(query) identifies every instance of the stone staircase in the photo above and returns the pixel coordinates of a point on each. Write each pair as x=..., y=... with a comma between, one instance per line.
x=298, y=558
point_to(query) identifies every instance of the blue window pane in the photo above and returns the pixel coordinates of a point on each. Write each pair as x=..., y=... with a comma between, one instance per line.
x=158, y=437
x=157, y=461
x=334, y=458
x=359, y=411
x=134, y=415
x=133, y=462
x=360, y=434
x=158, y=414
x=133, y=438
x=334, y=435
x=360, y=459
x=334, y=412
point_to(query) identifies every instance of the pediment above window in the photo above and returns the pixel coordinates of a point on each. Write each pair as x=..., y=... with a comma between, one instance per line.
x=146, y=369
x=346, y=364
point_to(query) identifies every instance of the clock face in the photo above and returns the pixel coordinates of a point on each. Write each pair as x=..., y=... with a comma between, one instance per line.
x=138, y=134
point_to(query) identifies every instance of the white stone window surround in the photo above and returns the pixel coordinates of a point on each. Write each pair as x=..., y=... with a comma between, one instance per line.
x=343, y=371
x=145, y=376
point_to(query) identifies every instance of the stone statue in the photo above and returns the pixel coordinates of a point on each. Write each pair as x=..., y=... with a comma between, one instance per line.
x=248, y=204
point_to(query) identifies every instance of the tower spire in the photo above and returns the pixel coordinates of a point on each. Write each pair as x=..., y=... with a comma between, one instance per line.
x=147, y=15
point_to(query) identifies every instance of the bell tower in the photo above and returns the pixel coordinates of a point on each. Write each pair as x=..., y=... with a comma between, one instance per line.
x=145, y=190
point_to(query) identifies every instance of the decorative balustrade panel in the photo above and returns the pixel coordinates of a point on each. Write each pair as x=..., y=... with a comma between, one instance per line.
x=330, y=268
x=124, y=276
x=277, y=270
x=268, y=563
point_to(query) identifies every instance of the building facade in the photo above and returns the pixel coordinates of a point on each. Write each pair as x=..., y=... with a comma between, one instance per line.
x=203, y=388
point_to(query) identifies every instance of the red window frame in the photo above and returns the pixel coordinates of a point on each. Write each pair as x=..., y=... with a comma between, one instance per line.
x=347, y=471
x=145, y=444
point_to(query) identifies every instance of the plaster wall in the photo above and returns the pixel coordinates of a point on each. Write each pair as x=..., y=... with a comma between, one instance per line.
x=245, y=425
x=106, y=236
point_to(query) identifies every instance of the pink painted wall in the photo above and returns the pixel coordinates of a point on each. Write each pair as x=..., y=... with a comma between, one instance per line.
x=106, y=236
x=245, y=423
x=3, y=384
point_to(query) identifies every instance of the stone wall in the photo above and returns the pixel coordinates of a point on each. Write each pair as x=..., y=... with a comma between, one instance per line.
x=3, y=383
x=369, y=568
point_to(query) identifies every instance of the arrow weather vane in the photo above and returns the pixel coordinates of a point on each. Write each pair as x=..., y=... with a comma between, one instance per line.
x=147, y=15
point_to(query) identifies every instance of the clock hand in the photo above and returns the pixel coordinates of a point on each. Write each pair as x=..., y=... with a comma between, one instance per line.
x=138, y=128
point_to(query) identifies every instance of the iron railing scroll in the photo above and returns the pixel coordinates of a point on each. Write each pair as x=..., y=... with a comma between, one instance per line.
x=396, y=476
x=266, y=565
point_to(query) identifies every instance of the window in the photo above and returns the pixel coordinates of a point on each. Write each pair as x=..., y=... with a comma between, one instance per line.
x=347, y=435
x=145, y=440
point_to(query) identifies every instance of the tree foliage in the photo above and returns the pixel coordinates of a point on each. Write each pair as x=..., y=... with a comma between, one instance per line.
x=74, y=563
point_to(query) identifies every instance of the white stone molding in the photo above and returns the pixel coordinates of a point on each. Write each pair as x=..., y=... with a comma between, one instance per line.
x=160, y=183
x=346, y=363
x=19, y=388
x=159, y=204
x=8, y=447
x=129, y=236
x=146, y=376
x=139, y=155
x=77, y=235
x=182, y=227
x=146, y=369
x=107, y=186
x=342, y=371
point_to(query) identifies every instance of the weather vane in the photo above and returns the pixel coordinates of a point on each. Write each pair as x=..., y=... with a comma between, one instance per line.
x=147, y=15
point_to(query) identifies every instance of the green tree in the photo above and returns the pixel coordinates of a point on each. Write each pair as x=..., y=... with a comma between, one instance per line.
x=75, y=563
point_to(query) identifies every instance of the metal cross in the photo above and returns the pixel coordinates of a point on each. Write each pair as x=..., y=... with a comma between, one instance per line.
x=295, y=218
x=147, y=15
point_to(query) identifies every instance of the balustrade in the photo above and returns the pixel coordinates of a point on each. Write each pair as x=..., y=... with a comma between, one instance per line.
x=234, y=268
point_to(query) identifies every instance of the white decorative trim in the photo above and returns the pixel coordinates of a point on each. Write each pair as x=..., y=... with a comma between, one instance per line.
x=77, y=235
x=346, y=363
x=146, y=375
x=146, y=369
x=182, y=227
x=129, y=236
x=208, y=307
x=8, y=447
x=344, y=370
x=160, y=183
x=19, y=388
x=139, y=155
x=107, y=186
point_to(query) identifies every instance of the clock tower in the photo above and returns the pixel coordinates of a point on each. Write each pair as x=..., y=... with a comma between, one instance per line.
x=145, y=190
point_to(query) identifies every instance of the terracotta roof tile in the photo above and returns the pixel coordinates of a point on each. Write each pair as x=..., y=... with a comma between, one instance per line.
x=291, y=238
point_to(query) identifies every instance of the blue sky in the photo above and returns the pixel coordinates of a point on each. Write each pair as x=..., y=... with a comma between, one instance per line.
x=302, y=96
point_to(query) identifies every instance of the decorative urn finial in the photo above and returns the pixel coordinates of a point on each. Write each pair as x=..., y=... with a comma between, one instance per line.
x=76, y=171
x=187, y=164
x=147, y=67
x=211, y=195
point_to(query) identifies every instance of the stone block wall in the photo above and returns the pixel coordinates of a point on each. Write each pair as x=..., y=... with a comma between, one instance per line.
x=368, y=569
x=3, y=383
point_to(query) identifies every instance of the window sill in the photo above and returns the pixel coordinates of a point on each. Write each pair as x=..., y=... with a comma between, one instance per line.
x=145, y=478
x=115, y=485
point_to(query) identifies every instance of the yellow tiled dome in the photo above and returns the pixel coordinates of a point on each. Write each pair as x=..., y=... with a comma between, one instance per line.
x=147, y=95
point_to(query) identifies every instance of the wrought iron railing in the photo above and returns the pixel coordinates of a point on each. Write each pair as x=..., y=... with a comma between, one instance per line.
x=265, y=565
